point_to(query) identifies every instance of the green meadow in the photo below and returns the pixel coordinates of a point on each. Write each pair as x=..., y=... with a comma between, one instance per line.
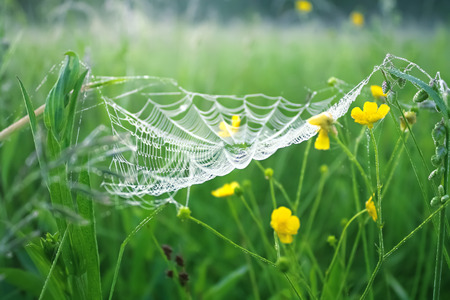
x=61, y=232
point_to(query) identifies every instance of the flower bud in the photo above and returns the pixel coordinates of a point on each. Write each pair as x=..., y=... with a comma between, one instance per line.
x=435, y=202
x=441, y=151
x=420, y=96
x=183, y=277
x=331, y=239
x=410, y=119
x=323, y=169
x=247, y=184
x=169, y=273
x=434, y=85
x=238, y=191
x=441, y=190
x=438, y=133
x=167, y=251
x=401, y=82
x=268, y=173
x=283, y=264
x=184, y=213
x=179, y=260
x=386, y=86
x=437, y=173
x=436, y=160
x=332, y=81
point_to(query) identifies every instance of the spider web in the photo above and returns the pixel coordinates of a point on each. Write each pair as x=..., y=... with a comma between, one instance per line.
x=177, y=138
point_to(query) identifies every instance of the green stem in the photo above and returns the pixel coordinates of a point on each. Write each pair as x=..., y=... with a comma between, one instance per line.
x=379, y=196
x=283, y=191
x=441, y=228
x=248, y=242
x=293, y=287
x=396, y=247
x=181, y=292
x=272, y=194
x=125, y=242
x=430, y=217
x=258, y=223
x=422, y=158
x=218, y=234
x=355, y=162
x=362, y=226
x=333, y=260
x=302, y=176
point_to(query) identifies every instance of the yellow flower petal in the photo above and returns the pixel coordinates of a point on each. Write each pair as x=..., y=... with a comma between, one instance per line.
x=359, y=116
x=223, y=126
x=226, y=190
x=285, y=238
x=322, y=141
x=383, y=110
x=227, y=130
x=323, y=120
x=235, y=122
x=293, y=224
x=370, y=107
x=370, y=206
x=377, y=91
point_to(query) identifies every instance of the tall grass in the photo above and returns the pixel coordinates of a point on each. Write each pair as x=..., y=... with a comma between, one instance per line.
x=236, y=59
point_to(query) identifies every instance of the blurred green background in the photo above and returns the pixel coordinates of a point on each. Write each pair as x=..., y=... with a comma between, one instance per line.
x=223, y=47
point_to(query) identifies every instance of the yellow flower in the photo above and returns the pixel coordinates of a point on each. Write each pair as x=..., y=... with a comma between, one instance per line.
x=325, y=122
x=357, y=18
x=377, y=91
x=227, y=130
x=303, y=6
x=284, y=224
x=370, y=206
x=226, y=190
x=370, y=114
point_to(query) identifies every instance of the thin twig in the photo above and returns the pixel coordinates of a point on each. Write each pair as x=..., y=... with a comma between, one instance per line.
x=5, y=133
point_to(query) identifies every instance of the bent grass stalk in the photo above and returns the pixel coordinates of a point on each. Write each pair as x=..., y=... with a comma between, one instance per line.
x=218, y=234
x=259, y=224
x=302, y=176
x=260, y=258
x=247, y=241
x=125, y=242
x=336, y=251
x=353, y=159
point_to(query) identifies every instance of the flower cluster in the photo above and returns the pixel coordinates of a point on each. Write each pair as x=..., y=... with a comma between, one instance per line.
x=285, y=224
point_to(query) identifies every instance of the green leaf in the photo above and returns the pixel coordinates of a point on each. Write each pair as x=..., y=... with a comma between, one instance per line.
x=220, y=290
x=23, y=280
x=71, y=109
x=57, y=286
x=432, y=93
x=55, y=116
x=30, y=109
x=88, y=241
